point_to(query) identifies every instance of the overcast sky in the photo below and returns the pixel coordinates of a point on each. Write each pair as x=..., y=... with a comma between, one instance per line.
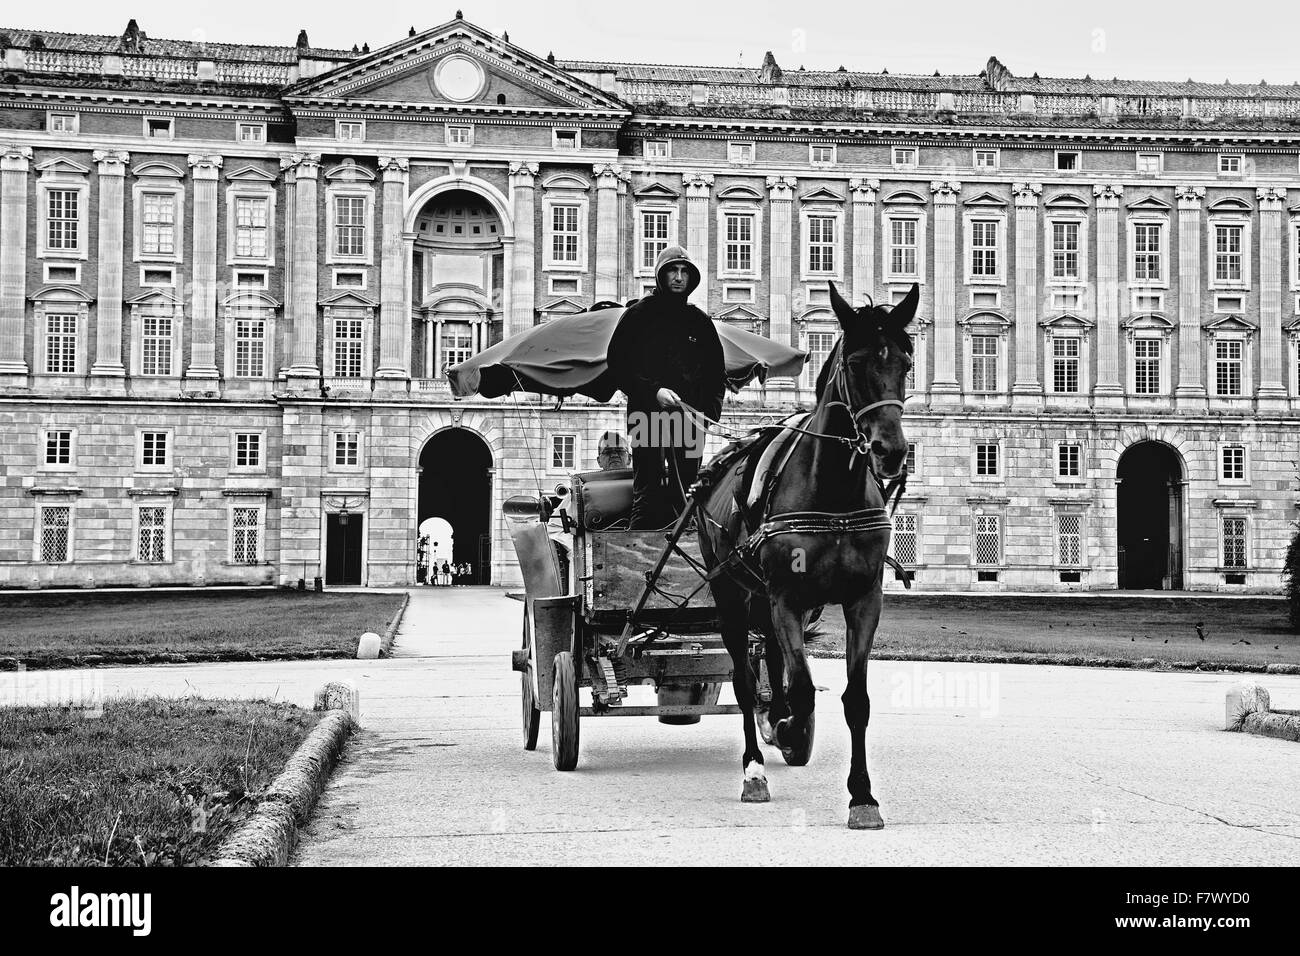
x=1244, y=40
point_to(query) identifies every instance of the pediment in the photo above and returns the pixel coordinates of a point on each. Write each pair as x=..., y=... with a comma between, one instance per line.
x=739, y=192
x=821, y=194
x=565, y=181
x=1230, y=204
x=251, y=298
x=1148, y=320
x=1066, y=321
x=154, y=297
x=739, y=313
x=158, y=170
x=349, y=299
x=1066, y=201
x=62, y=165
x=64, y=293
x=565, y=306
x=655, y=191
x=251, y=173
x=460, y=66
x=986, y=318
x=349, y=172
x=1229, y=323
x=1149, y=204
x=904, y=196
x=985, y=199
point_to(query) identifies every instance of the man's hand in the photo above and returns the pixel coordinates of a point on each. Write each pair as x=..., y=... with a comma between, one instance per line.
x=667, y=398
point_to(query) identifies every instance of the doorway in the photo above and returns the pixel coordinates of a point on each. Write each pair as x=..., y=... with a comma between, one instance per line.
x=344, y=534
x=456, y=486
x=1149, y=518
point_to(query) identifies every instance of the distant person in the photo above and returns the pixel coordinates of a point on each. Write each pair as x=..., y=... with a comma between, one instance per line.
x=446, y=573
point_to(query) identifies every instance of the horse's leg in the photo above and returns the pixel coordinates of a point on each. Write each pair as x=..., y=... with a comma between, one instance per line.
x=860, y=618
x=733, y=616
x=794, y=733
x=760, y=620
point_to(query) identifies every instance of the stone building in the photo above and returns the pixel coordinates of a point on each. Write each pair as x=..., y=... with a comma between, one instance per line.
x=231, y=278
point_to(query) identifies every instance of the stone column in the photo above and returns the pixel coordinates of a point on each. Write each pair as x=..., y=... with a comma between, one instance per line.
x=1190, y=393
x=1271, y=394
x=408, y=304
x=394, y=327
x=1026, y=389
x=108, y=305
x=862, y=255
x=607, y=247
x=523, y=266
x=780, y=191
x=14, y=163
x=303, y=307
x=1109, y=388
x=945, y=387
x=203, y=299
x=698, y=186
x=626, y=230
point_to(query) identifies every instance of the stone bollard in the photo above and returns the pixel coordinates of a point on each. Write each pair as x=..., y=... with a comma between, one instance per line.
x=1243, y=699
x=340, y=695
x=368, y=646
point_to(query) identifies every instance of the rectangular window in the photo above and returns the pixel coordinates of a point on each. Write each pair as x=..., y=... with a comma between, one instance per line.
x=61, y=344
x=250, y=348
x=158, y=128
x=988, y=539
x=984, y=363
x=157, y=277
x=251, y=227
x=986, y=460
x=986, y=159
x=656, y=149
x=347, y=348
x=564, y=452
x=1227, y=253
x=457, y=343
x=1229, y=164
x=460, y=135
x=250, y=132
x=1069, y=539
x=1146, y=366
x=63, y=220
x=911, y=459
x=905, y=156
x=820, y=155
x=56, y=523
x=654, y=236
x=349, y=226
x=64, y=123
x=1065, y=364
x=347, y=448
x=819, y=348
x=1146, y=251
x=58, y=447
x=155, y=346
x=248, y=450
x=1065, y=250
x=740, y=152
x=566, y=139
x=564, y=234
x=739, y=246
x=244, y=527
x=902, y=247
x=158, y=225
x=152, y=546
x=1148, y=162
x=351, y=131
x=1234, y=542
x=1069, y=461
x=153, y=449
x=821, y=244
x=1227, y=366
x=904, y=542
x=1233, y=459
x=984, y=248
x=1067, y=160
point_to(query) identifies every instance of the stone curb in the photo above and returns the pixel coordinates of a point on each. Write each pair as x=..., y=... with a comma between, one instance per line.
x=268, y=836
x=117, y=660
x=1247, y=708
x=386, y=645
x=1145, y=663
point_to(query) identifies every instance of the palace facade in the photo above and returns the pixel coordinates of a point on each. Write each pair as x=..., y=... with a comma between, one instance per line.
x=232, y=277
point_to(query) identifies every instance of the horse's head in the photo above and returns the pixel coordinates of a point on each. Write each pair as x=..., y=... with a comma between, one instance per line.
x=869, y=370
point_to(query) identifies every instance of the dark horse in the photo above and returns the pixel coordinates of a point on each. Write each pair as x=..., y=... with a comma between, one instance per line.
x=821, y=540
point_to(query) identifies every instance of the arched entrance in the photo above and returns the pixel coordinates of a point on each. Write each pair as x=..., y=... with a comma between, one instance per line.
x=456, y=485
x=435, y=545
x=1149, y=517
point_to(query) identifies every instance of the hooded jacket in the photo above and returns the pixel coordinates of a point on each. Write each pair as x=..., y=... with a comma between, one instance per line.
x=663, y=341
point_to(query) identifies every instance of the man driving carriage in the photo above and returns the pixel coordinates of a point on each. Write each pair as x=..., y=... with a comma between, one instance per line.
x=665, y=355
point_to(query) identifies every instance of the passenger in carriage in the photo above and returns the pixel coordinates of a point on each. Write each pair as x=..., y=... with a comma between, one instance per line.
x=611, y=452
x=665, y=354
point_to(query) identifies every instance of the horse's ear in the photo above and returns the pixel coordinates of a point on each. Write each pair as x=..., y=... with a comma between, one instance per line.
x=847, y=315
x=905, y=311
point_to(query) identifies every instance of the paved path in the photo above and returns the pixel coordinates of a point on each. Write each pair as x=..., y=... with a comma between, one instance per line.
x=1019, y=765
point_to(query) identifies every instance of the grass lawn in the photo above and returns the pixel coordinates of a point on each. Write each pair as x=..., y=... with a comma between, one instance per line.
x=45, y=630
x=1237, y=632
x=151, y=782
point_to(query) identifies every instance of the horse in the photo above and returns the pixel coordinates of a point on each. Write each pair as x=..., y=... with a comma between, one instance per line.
x=822, y=540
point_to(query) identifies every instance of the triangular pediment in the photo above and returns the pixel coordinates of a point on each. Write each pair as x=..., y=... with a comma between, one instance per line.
x=985, y=199
x=1149, y=203
x=655, y=191
x=821, y=194
x=250, y=173
x=62, y=165
x=565, y=306
x=458, y=66
x=154, y=297
x=739, y=313
x=349, y=299
x=1066, y=321
x=1229, y=323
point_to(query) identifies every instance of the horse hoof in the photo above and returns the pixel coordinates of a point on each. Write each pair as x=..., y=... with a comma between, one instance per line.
x=866, y=817
x=755, y=791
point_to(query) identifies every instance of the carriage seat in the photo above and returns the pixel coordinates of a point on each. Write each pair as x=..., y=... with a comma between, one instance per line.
x=602, y=500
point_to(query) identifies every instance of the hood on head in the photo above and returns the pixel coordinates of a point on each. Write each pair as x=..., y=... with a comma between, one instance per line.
x=671, y=256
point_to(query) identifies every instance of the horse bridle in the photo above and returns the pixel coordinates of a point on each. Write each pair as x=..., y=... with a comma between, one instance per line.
x=860, y=442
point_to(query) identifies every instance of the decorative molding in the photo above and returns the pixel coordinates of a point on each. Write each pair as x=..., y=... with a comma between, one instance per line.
x=1271, y=198
x=16, y=158
x=864, y=190
x=821, y=194
x=1107, y=195
x=303, y=164
x=781, y=188
x=740, y=192
x=111, y=162
x=523, y=174
x=205, y=165
x=697, y=185
x=945, y=190
x=1026, y=194
x=604, y=172
x=250, y=173
x=1189, y=197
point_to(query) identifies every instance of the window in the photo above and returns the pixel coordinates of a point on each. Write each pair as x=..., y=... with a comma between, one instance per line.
x=984, y=363
x=1146, y=366
x=988, y=539
x=1065, y=250
x=349, y=280
x=349, y=225
x=905, y=157
x=56, y=525
x=61, y=344
x=63, y=273
x=821, y=155
x=1067, y=160
x=347, y=448
x=155, y=345
x=740, y=152
x=984, y=248
x=913, y=461
x=158, y=222
x=460, y=136
x=905, y=538
x=1228, y=253
x=1069, y=539
x=566, y=139
x=244, y=528
x=564, y=234
x=1227, y=366
x=58, y=446
x=350, y=131
x=1146, y=251
x=1232, y=463
x=1234, y=541
x=1069, y=460
x=1229, y=164
x=250, y=348
x=1065, y=364
x=655, y=232
x=151, y=546
x=564, y=452
x=1148, y=162
x=153, y=449
x=66, y=124
x=250, y=132
x=155, y=278
x=902, y=247
x=158, y=127
x=738, y=246
x=348, y=347
x=63, y=219
x=657, y=149
x=986, y=460
x=819, y=349
x=821, y=244
x=986, y=159
x=251, y=227
x=248, y=449
x=457, y=343
x=250, y=280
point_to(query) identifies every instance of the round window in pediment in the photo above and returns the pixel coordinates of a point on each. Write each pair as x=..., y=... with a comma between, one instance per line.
x=458, y=78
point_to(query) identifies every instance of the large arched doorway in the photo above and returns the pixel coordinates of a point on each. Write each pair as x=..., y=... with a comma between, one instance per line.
x=1149, y=521
x=456, y=485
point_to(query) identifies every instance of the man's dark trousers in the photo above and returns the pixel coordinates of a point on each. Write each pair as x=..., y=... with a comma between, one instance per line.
x=653, y=504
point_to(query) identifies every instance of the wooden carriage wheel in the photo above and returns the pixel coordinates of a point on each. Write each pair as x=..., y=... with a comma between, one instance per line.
x=564, y=713
x=532, y=711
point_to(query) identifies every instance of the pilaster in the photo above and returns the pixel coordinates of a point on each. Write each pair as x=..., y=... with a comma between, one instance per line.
x=108, y=306
x=394, y=316
x=1190, y=393
x=607, y=176
x=862, y=256
x=523, y=263
x=780, y=191
x=1271, y=394
x=698, y=187
x=14, y=164
x=945, y=387
x=303, y=308
x=1026, y=389
x=1108, y=390
x=203, y=282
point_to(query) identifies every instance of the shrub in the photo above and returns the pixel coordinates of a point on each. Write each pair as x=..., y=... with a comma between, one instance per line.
x=1291, y=575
